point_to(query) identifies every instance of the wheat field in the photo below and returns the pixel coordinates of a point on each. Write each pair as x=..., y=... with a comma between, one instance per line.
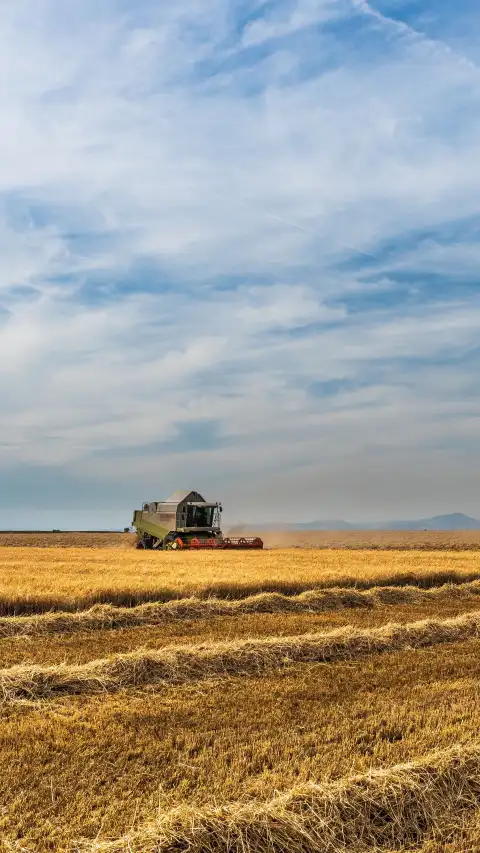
x=289, y=700
x=37, y=580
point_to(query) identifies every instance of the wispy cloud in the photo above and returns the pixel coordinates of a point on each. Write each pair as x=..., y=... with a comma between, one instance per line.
x=254, y=218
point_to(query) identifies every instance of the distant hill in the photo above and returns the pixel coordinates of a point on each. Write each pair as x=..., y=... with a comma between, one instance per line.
x=452, y=521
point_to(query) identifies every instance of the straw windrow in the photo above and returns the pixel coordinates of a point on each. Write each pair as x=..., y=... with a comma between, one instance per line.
x=107, y=616
x=182, y=664
x=383, y=810
x=21, y=600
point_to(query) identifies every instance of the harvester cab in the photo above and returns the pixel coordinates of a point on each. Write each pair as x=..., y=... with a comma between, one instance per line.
x=185, y=521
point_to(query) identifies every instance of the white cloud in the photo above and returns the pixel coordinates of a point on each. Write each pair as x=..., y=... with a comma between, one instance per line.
x=152, y=137
x=284, y=19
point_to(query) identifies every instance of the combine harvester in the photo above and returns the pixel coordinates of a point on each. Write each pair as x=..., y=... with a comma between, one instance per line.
x=185, y=521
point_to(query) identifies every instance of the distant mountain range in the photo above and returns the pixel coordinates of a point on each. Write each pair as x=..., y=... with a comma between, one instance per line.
x=452, y=521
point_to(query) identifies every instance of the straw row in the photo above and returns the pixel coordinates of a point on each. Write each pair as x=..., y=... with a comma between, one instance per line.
x=388, y=809
x=107, y=616
x=17, y=604
x=183, y=664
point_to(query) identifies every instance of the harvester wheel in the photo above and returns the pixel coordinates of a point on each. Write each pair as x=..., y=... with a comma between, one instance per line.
x=146, y=542
x=140, y=545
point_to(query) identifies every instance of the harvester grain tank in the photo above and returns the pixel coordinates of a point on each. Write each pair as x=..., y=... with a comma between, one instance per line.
x=185, y=521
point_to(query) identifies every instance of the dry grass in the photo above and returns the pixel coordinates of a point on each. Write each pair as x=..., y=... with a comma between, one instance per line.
x=39, y=580
x=385, y=809
x=181, y=664
x=102, y=617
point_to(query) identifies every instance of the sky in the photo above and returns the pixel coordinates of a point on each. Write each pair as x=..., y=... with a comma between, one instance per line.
x=239, y=254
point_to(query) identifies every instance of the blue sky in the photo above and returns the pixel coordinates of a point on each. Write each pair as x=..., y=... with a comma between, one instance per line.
x=239, y=253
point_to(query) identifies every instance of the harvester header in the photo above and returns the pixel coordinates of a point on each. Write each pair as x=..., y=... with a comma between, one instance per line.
x=185, y=521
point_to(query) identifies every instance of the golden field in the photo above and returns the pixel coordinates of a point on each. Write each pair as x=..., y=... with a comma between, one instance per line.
x=34, y=580
x=238, y=722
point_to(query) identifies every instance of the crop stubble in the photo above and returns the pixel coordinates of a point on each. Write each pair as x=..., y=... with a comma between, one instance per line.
x=86, y=765
x=112, y=760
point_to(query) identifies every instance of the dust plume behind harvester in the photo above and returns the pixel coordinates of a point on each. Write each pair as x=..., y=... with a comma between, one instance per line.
x=185, y=521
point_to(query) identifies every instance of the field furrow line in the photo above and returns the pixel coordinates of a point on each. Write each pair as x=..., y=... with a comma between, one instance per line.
x=182, y=664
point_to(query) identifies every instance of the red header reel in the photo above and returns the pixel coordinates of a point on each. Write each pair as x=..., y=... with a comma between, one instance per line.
x=241, y=543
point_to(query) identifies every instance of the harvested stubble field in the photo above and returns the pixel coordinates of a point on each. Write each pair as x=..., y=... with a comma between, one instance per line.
x=80, y=647
x=237, y=719
x=38, y=580
x=385, y=540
